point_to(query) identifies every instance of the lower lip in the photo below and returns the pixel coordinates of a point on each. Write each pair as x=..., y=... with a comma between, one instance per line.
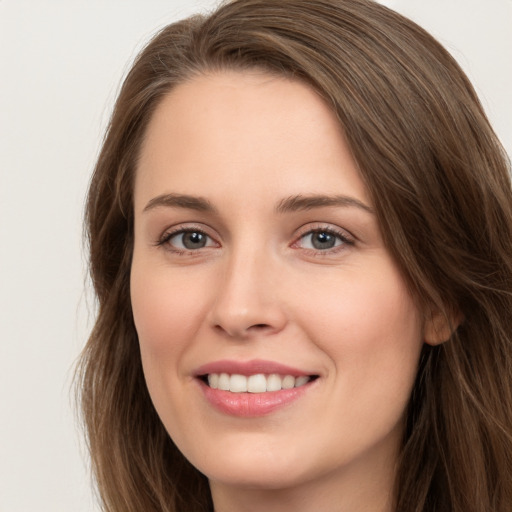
x=250, y=405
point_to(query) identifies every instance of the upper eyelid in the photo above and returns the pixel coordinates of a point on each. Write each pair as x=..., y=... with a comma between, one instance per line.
x=305, y=229
x=320, y=226
x=185, y=226
x=170, y=232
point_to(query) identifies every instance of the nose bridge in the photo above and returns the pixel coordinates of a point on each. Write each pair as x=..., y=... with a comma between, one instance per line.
x=246, y=301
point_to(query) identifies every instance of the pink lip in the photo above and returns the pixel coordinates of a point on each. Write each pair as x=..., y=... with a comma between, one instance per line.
x=247, y=405
x=249, y=368
x=250, y=405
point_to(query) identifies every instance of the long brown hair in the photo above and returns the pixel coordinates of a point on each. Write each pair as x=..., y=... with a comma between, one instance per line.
x=440, y=184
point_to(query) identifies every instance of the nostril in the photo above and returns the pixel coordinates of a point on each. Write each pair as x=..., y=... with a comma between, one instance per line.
x=259, y=327
x=252, y=330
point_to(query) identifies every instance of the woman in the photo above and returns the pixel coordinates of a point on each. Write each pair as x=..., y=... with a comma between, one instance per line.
x=300, y=229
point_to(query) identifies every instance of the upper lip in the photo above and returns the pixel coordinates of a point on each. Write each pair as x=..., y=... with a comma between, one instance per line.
x=249, y=368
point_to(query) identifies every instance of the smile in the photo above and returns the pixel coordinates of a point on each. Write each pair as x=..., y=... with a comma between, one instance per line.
x=253, y=388
x=258, y=383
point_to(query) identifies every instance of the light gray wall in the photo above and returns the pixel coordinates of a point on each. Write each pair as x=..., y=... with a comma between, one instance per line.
x=60, y=66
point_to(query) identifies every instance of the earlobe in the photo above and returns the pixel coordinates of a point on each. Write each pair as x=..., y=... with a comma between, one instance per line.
x=439, y=327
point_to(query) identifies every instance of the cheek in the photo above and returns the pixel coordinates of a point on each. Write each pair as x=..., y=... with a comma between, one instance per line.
x=164, y=306
x=362, y=306
x=369, y=326
x=167, y=312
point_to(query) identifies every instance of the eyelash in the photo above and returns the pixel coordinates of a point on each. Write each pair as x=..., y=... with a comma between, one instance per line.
x=340, y=235
x=168, y=235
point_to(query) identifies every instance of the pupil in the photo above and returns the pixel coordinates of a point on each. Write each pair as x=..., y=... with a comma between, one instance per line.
x=194, y=240
x=323, y=240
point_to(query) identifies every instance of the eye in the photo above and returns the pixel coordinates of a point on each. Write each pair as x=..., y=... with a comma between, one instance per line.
x=187, y=240
x=323, y=240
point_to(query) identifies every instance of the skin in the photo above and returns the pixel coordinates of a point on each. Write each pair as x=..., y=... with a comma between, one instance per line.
x=259, y=289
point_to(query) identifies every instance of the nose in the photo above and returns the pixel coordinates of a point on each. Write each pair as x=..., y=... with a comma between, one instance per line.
x=247, y=302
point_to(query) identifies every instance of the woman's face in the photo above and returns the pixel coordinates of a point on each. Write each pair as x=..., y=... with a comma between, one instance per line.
x=258, y=264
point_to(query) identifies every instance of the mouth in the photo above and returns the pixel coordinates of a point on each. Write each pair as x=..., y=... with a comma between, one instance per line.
x=253, y=388
x=255, y=383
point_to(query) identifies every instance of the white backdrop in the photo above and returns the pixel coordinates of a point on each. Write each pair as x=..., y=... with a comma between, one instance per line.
x=60, y=66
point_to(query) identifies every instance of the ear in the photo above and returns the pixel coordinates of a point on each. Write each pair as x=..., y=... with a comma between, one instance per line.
x=439, y=326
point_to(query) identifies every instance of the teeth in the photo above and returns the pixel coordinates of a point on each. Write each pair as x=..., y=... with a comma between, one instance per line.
x=288, y=382
x=274, y=382
x=237, y=383
x=224, y=382
x=258, y=383
x=213, y=380
x=300, y=381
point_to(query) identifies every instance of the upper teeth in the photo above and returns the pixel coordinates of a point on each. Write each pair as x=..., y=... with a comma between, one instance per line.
x=258, y=383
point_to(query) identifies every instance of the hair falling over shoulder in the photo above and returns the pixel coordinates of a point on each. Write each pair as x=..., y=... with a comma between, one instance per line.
x=440, y=183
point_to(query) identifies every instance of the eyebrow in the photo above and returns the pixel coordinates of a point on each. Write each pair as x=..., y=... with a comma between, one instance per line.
x=181, y=201
x=290, y=204
x=302, y=202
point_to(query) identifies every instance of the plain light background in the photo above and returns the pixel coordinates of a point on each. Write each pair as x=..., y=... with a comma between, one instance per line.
x=61, y=63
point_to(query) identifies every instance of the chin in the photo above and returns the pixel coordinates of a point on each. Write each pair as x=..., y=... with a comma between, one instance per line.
x=255, y=477
x=257, y=468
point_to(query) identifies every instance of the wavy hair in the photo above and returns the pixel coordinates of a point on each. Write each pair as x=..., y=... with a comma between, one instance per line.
x=440, y=184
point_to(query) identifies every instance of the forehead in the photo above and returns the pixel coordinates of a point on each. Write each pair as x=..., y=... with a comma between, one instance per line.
x=244, y=132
